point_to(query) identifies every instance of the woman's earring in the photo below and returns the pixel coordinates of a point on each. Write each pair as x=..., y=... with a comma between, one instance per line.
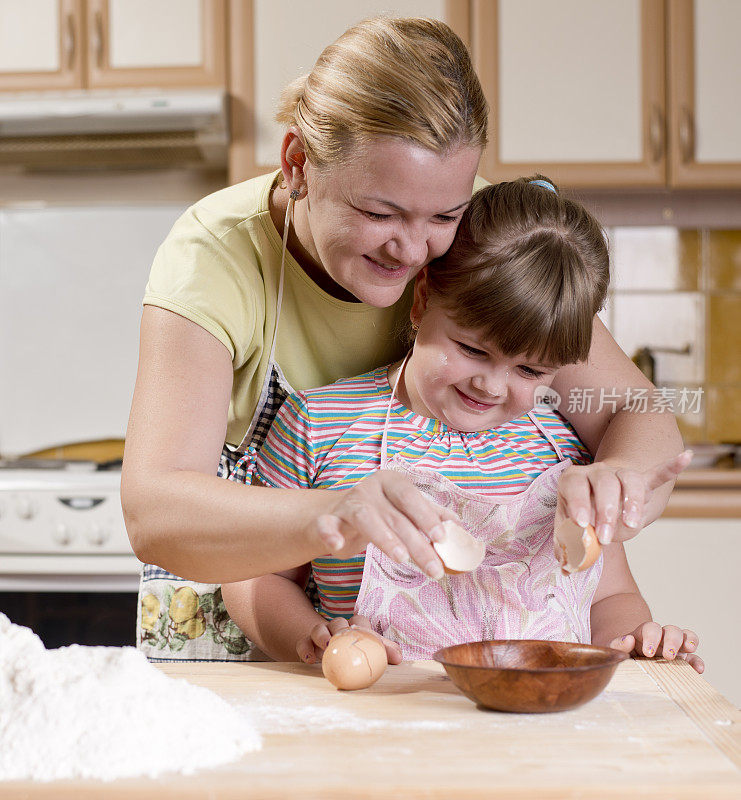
x=292, y=197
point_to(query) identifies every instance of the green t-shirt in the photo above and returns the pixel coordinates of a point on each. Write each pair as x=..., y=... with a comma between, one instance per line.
x=219, y=267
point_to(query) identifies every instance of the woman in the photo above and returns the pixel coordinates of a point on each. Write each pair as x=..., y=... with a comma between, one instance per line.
x=377, y=165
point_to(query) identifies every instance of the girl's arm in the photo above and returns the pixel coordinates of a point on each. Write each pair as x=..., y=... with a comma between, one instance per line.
x=632, y=450
x=274, y=612
x=621, y=618
x=182, y=517
x=618, y=607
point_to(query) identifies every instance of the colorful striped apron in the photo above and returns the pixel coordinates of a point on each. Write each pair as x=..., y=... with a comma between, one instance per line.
x=518, y=591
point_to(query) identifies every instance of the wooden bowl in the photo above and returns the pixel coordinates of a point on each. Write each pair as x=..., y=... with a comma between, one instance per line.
x=529, y=675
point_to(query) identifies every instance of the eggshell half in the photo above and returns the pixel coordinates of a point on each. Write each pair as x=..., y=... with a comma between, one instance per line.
x=459, y=551
x=354, y=659
x=577, y=548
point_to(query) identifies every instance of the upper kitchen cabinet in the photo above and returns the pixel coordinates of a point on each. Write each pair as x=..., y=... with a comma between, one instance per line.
x=90, y=44
x=274, y=41
x=41, y=44
x=704, y=84
x=576, y=89
x=162, y=43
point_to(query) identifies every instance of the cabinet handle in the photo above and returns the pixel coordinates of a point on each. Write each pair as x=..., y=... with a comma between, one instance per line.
x=656, y=134
x=98, y=39
x=686, y=135
x=70, y=41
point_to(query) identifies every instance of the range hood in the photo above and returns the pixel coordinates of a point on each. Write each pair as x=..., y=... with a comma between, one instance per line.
x=125, y=127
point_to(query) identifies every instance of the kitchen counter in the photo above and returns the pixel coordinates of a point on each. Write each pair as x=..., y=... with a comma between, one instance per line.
x=714, y=493
x=658, y=730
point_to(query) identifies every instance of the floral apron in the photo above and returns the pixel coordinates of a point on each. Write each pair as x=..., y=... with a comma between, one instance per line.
x=181, y=620
x=518, y=591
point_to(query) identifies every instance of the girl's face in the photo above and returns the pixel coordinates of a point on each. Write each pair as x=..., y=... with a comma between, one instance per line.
x=456, y=377
x=371, y=224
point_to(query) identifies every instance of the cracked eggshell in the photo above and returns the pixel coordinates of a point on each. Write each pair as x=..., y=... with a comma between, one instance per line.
x=354, y=659
x=459, y=551
x=577, y=548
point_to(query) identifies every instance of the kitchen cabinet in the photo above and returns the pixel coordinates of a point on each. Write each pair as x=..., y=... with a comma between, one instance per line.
x=156, y=43
x=576, y=89
x=686, y=569
x=92, y=44
x=41, y=44
x=636, y=93
x=704, y=80
x=274, y=41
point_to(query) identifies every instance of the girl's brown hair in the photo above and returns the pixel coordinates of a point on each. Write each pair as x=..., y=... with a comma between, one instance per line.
x=406, y=77
x=528, y=270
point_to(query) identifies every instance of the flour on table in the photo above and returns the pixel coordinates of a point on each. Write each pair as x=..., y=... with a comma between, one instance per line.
x=106, y=713
x=271, y=717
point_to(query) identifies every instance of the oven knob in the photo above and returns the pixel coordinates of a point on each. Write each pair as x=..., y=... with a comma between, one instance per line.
x=62, y=534
x=97, y=535
x=25, y=508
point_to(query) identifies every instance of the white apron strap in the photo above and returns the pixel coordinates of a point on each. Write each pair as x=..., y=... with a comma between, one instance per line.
x=279, y=303
x=547, y=435
x=384, y=437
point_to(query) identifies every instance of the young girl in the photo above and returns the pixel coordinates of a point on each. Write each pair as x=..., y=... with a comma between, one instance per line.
x=512, y=301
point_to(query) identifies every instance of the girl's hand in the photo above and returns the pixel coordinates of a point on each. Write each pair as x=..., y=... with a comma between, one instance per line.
x=610, y=498
x=387, y=509
x=651, y=640
x=311, y=649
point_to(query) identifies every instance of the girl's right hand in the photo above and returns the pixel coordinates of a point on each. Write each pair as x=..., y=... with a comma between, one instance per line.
x=311, y=648
x=385, y=508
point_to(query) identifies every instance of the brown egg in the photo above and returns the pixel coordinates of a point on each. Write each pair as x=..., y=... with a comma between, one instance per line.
x=354, y=659
x=577, y=548
x=459, y=551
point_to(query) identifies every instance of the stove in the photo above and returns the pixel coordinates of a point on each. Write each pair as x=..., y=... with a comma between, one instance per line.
x=62, y=529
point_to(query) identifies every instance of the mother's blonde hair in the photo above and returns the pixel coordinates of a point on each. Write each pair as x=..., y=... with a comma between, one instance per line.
x=406, y=77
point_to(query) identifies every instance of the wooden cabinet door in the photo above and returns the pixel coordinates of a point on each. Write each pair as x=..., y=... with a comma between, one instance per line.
x=41, y=44
x=705, y=93
x=576, y=89
x=274, y=41
x=158, y=43
x=686, y=570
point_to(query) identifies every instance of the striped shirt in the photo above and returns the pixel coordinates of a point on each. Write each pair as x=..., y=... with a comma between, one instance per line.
x=330, y=438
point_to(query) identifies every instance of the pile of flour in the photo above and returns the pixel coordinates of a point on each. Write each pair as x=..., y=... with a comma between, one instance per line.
x=106, y=713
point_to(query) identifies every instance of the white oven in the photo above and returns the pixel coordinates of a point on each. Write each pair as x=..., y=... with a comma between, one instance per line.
x=62, y=529
x=71, y=283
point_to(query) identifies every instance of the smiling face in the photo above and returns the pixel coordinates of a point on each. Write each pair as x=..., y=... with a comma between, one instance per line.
x=465, y=382
x=371, y=224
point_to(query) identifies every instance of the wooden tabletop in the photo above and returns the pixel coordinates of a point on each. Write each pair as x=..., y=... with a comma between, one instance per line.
x=657, y=731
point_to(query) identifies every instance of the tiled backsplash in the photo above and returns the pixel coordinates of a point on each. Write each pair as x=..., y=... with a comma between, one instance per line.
x=680, y=290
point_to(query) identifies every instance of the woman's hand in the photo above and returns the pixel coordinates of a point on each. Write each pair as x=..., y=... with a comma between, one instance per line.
x=613, y=499
x=651, y=640
x=387, y=509
x=311, y=648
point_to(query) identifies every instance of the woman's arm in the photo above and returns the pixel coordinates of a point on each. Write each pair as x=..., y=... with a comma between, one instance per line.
x=623, y=442
x=182, y=517
x=178, y=514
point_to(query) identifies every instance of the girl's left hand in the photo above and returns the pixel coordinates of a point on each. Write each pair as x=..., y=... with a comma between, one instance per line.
x=651, y=640
x=611, y=498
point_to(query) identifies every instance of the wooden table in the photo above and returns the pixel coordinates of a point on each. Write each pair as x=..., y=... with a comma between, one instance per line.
x=658, y=731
